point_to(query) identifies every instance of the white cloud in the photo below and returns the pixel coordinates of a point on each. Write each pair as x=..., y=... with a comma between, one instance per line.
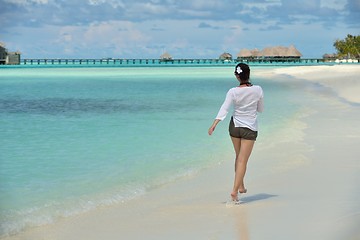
x=232, y=39
x=334, y=4
x=204, y=4
x=152, y=8
x=195, y=13
x=96, y=2
x=27, y=2
x=113, y=37
x=181, y=43
x=261, y=5
x=113, y=3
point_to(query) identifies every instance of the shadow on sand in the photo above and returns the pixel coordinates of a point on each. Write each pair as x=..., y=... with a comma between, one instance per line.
x=249, y=199
x=257, y=197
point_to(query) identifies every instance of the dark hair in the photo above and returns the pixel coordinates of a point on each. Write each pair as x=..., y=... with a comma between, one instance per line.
x=243, y=72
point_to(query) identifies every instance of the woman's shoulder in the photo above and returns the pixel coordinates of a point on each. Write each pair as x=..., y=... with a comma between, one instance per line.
x=237, y=88
x=257, y=87
x=258, y=90
x=232, y=89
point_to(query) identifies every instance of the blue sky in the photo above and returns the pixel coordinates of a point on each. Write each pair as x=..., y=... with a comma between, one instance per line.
x=184, y=28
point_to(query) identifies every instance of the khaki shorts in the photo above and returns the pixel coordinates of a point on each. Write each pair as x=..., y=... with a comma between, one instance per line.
x=241, y=132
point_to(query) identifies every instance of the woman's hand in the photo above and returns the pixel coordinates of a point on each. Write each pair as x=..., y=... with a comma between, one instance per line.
x=213, y=126
x=211, y=130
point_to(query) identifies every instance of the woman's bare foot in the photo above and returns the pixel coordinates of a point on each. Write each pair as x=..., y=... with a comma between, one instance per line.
x=243, y=190
x=234, y=196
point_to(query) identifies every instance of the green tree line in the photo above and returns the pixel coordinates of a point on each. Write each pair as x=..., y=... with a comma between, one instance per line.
x=348, y=47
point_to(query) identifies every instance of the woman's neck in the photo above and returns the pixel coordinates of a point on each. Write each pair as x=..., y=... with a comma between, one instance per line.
x=248, y=84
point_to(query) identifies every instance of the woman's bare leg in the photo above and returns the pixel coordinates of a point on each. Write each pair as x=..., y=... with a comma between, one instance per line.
x=243, y=149
x=237, y=145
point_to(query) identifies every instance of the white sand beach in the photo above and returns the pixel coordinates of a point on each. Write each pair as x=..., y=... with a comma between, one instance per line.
x=343, y=80
x=310, y=191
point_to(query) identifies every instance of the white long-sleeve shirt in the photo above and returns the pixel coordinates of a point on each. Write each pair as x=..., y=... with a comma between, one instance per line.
x=247, y=101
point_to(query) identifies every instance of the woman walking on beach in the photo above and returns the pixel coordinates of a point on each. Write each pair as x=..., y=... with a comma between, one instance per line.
x=247, y=100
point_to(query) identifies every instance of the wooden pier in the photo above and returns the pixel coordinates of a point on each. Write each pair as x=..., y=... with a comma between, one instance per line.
x=122, y=61
x=182, y=62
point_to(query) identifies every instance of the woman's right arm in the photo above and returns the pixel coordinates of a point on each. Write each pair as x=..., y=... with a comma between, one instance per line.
x=224, y=109
x=213, y=126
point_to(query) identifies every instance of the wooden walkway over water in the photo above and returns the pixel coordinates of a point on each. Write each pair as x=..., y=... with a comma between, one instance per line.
x=123, y=61
x=142, y=62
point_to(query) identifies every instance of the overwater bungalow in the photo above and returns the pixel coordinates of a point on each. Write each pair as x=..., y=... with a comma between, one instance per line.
x=245, y=53
x=270, y=52
x=225, y=56
x=330, y=57
x=248, y=54
x=166, y=57
x=280, y=52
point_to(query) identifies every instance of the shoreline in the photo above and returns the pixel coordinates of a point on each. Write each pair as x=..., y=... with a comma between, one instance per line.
x=338, y=79
x=298, y=198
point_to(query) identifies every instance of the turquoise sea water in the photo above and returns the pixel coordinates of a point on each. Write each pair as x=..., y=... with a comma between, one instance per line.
x=73, y=139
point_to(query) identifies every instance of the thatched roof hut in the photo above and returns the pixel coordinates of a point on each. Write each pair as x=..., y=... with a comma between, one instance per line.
x=166, y=56
x=255, y=52
x=246, y=53
x=281, y=51
x=271, y=52
x=225, y=56
x=293, y=52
